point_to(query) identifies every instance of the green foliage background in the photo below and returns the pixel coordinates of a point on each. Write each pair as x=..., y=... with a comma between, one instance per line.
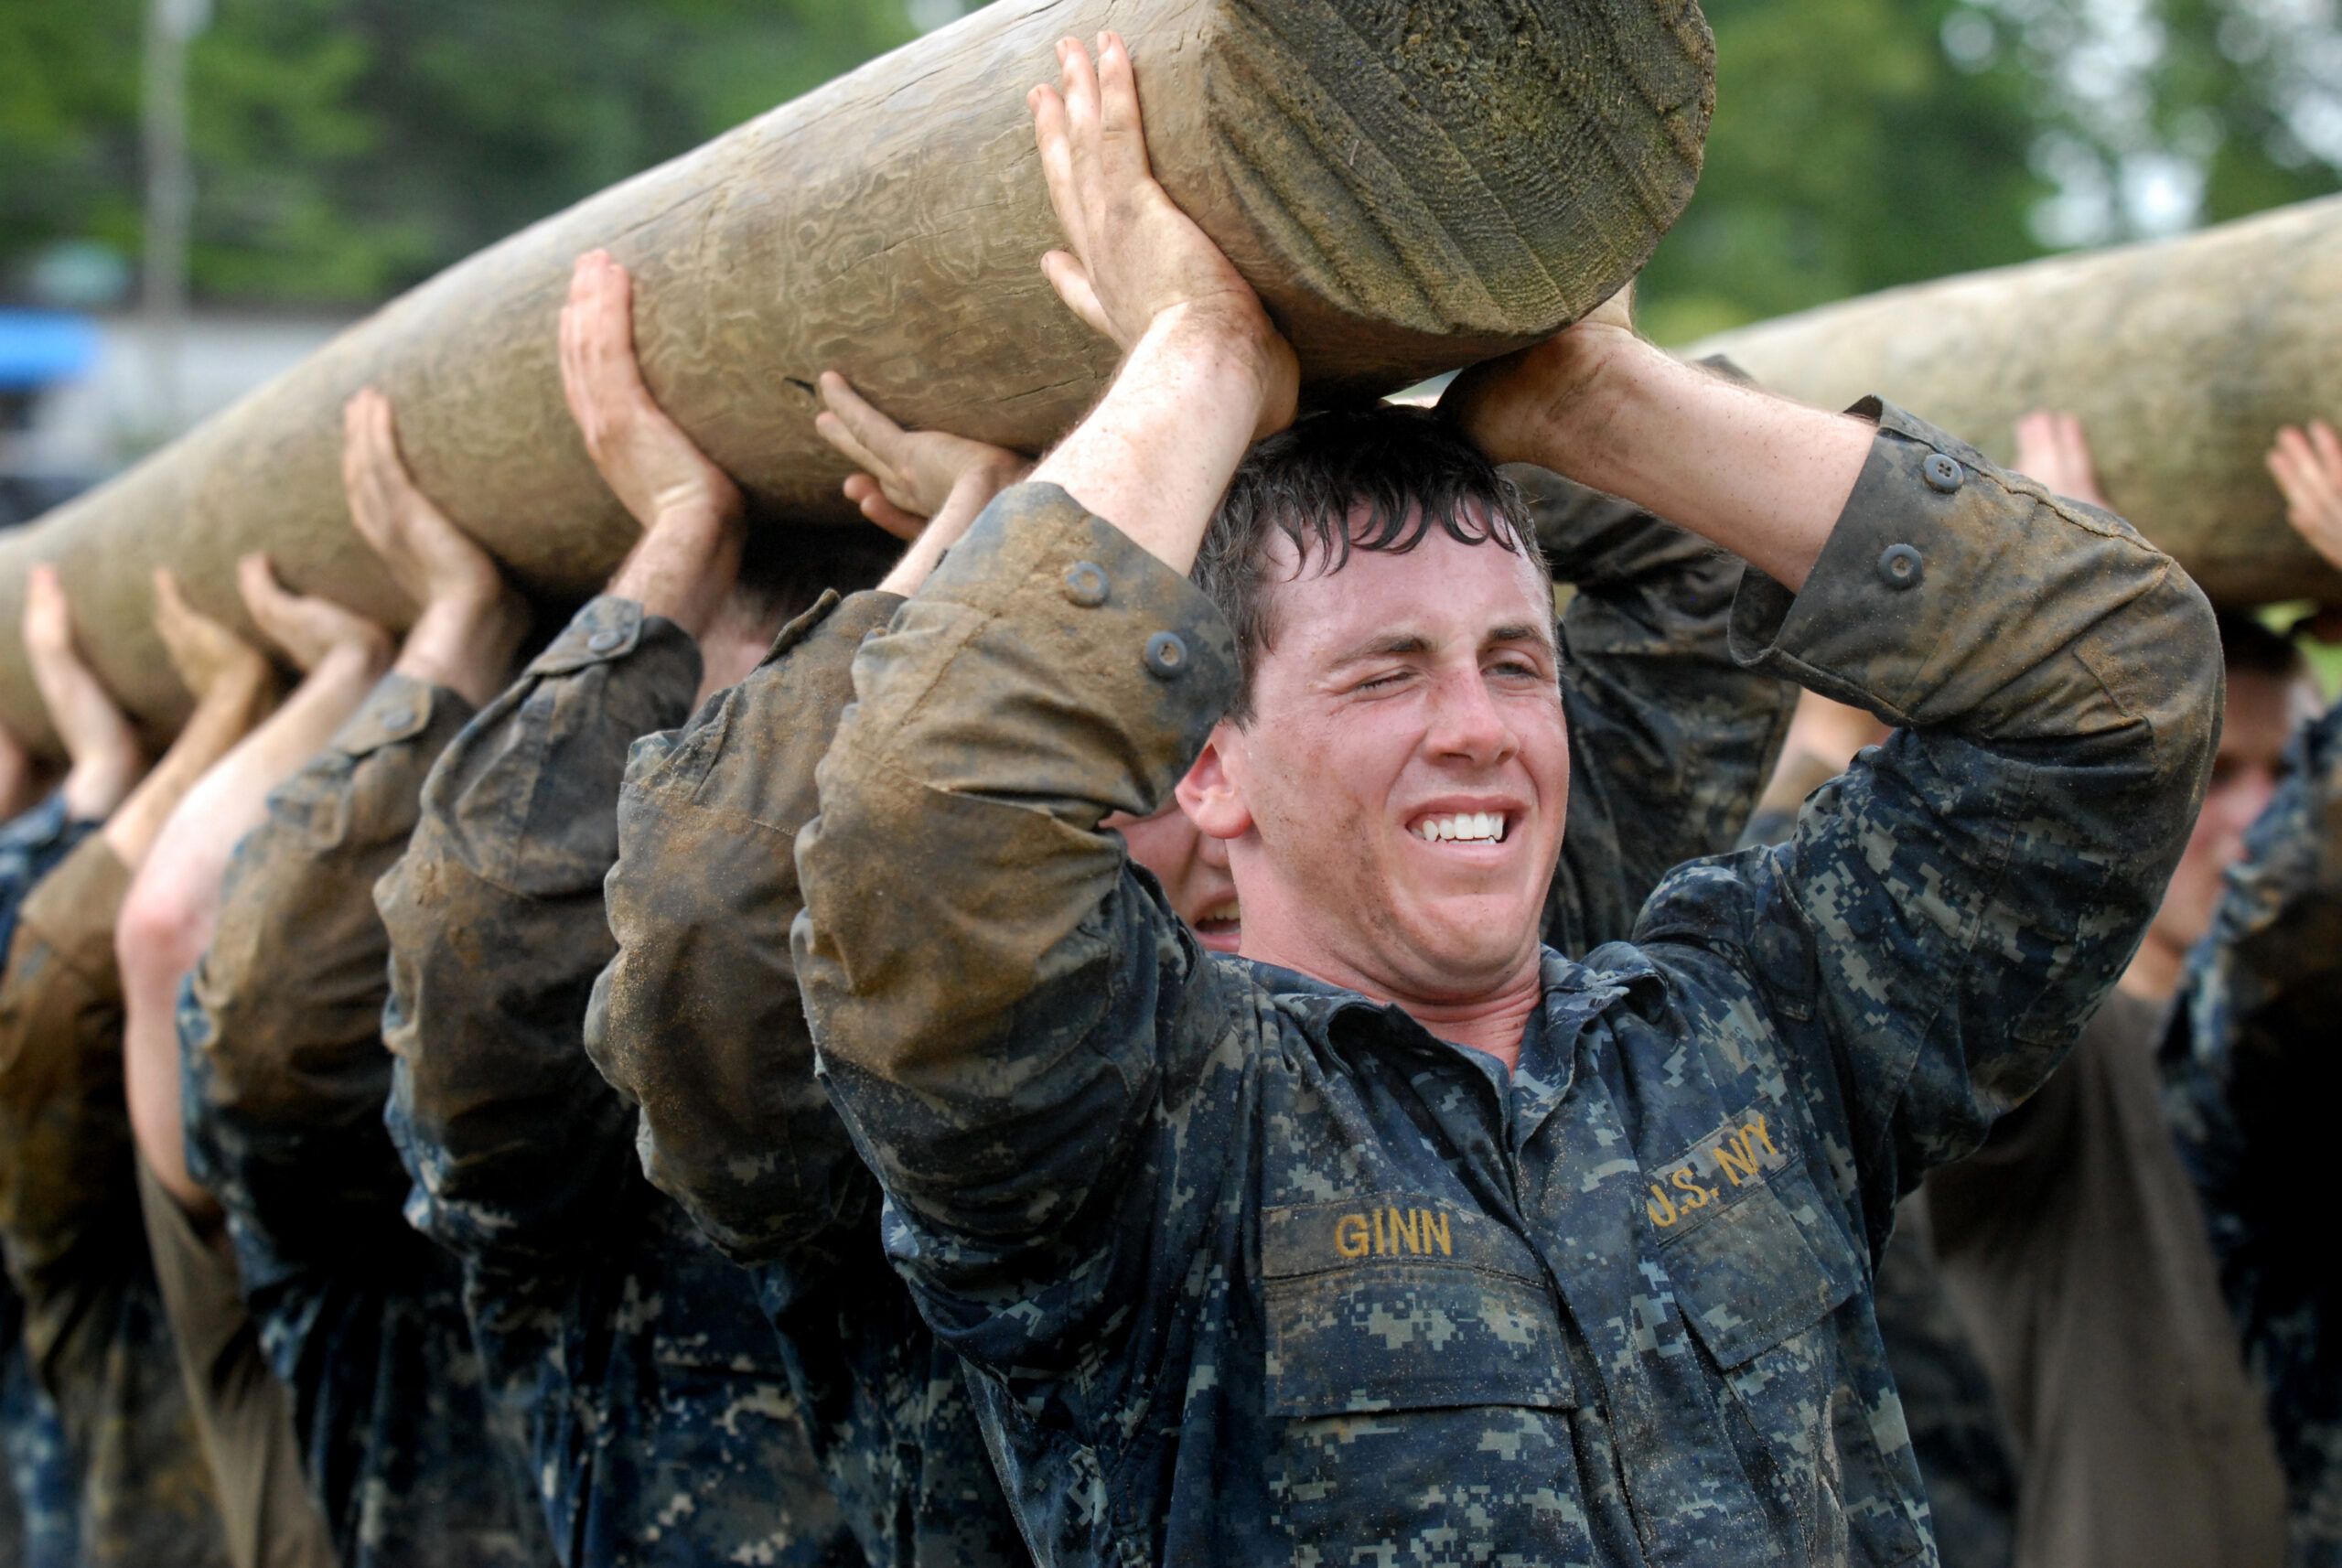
x=348, y=148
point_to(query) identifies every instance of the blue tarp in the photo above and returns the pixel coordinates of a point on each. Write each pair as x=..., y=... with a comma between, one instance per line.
x=41, y=346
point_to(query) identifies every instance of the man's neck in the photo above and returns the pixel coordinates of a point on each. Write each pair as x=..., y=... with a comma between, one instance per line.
x=1496, y=1024
x=1493, y=1021
x=2154, y=973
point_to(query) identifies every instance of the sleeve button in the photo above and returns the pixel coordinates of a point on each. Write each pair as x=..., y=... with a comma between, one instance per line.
x=1167, y=656
x=604, y=640
x=1899, y=567
x=1085, y=583
x=1942, y=473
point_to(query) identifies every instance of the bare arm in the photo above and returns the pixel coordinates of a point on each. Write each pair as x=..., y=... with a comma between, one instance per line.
x=1765, y=477
x=174, y=900
x=1204, y=374
x=102, y=753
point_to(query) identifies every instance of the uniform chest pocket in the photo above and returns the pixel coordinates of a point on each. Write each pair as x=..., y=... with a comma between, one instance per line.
x=1749, y=1277
x=1401, y=1303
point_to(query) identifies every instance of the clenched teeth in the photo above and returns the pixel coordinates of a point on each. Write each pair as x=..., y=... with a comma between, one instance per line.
x=1462, y=827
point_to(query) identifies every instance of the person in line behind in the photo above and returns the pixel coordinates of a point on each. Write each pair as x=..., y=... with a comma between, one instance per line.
x=2076, y=1244
x=1399, y=1234
x=71, y=1181
x=105, y=759
x=268, y=1076
x=665, y=1425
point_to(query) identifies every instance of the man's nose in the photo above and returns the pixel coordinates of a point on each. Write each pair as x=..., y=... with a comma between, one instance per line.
x=1467, y=722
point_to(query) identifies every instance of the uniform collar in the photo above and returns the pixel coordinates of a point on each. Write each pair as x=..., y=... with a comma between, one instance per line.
x=1574, y=994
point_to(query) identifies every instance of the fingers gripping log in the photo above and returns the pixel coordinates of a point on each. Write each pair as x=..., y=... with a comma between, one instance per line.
x=2182, y=358
x=1410, y=185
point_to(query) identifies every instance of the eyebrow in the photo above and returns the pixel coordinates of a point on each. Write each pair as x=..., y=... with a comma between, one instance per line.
x=1399, y=644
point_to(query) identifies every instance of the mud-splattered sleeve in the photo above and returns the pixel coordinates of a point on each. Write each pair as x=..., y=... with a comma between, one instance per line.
x=1000, y=1002
x=697, y=1018
x=281, y=1024
x=65, y=1176
x=497, y=932
x=1670, y=737
x=1953, y=909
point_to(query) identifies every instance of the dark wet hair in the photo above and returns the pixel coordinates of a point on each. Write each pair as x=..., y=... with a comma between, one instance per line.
x=787, y=563
x=1371, y=479
x=2249, y=648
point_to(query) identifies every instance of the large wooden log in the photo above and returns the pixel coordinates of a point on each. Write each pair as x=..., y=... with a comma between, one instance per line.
x=2182, y=358
x=1411, y=184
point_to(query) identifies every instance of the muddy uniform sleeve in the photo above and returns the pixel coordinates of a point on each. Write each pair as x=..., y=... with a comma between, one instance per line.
x=697, y=1019
x=281, y=1024
x=1954, y=906
x=2254, y=1075
x=1003, y=1006
x=66, y=1182
x=31, y=846
x=1670, y=737
x=497, y=932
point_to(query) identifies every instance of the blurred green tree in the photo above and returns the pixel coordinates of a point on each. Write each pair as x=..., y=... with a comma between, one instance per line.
x=348, y=148
x=345, y=149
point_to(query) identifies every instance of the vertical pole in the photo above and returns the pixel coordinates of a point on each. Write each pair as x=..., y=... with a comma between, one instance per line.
x=170, y=200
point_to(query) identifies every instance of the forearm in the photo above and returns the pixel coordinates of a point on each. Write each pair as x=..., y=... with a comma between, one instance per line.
x=284, y=1070
x=1155, y=455
x=64, y=1135
x=697, y=1018
x=225, y=716
x=497, y=927
x=174, y=904
x=1762, y=477
x=2055, y=684
x=682, y=567
x=1670, y=737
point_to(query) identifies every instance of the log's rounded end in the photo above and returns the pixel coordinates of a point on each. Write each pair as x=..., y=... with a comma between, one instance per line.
x=1478, y=172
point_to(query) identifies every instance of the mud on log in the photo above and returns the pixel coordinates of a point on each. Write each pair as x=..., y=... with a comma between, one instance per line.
x=1411, y=184
x=2182, y=358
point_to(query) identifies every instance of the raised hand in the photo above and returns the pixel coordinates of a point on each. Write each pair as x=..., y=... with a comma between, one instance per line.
x=311, y=630
x=1132, y=257
x=204, y=652
x=907, y=475
x=2052, y=448
x=2306, y=463
x=101, y=745
x=1507, y=406
x=470, y=623
x=656, y=469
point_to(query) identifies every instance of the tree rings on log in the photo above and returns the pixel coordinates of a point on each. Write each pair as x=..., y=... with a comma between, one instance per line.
x=1411, y=184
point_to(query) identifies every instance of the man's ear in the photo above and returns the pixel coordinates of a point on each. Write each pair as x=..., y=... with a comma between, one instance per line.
x=1208, y=794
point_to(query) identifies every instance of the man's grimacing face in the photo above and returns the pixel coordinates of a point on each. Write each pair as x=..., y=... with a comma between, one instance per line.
x=1393, y=809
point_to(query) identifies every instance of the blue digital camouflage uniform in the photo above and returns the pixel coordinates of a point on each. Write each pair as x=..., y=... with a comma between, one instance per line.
x=1249, y=1269
x=281, y=1028
x=1960, y=1436
x=2254, y=1074
x=38, y=1506
x=698, y=1018
x=664, y=1428
x=76, y=1243
x=36, y=1510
